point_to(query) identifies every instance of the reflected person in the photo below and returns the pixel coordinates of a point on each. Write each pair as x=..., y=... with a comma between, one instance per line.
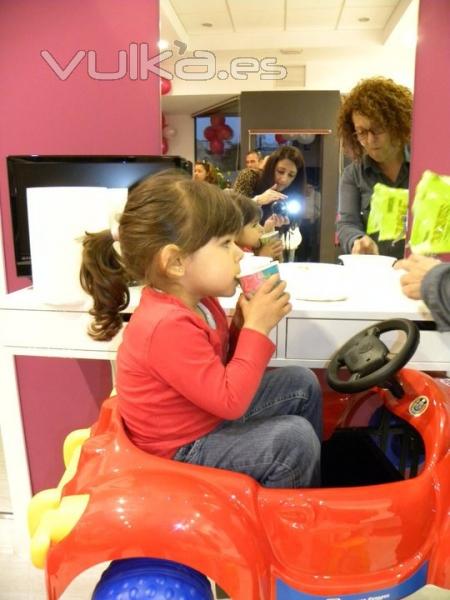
x=252, y=159
x=283, y=176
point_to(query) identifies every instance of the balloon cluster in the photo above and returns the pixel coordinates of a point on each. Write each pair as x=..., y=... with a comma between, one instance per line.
x=165, y=86
x=167, y=133
x=217, y=133
x=280, y=139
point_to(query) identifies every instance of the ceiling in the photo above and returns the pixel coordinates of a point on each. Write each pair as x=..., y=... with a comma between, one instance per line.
x=283, y=27
x=278, y=24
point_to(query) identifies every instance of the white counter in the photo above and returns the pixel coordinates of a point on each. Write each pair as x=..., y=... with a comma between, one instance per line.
x=307, y=336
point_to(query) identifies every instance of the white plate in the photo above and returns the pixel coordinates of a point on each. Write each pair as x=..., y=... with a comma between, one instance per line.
x=317, y=282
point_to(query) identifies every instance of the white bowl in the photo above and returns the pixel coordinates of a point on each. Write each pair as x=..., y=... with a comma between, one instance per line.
x=367, y=261
x=319, y=282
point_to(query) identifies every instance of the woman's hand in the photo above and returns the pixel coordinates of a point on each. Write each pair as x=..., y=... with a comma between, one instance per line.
x=272, y=249
x=365, y=245
x=267, y=307
x=269, y=196
x=416, y=268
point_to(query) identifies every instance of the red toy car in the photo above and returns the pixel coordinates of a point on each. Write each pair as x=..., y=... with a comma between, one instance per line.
x=377, y=529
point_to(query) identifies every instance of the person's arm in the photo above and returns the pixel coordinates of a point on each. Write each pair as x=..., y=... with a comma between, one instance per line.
x=350, y=226
x=246, y=183
x=196, y=371
x=428, y=279
x=435, y=290
x=268, y=196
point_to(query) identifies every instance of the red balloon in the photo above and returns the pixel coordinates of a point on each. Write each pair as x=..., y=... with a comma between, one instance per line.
x=224, y=132
x=216, y=146
x=166, y=86
x=210, y=133
x=217, y=120
x=164, y=146
x=280, y=139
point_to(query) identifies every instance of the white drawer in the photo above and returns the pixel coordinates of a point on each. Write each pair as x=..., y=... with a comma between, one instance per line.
x=318, y=340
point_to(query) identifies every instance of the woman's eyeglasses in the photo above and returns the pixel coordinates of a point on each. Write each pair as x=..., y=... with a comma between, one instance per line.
x=362, y=134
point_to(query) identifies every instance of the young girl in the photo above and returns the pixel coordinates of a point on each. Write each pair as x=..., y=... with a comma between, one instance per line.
x=249, y=237
x=188, y=388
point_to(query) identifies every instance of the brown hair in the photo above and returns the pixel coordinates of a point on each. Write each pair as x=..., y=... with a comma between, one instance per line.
x=166, y=208
x=386, y=103
x=267, y=178
x=250, y=210
x=211, y=173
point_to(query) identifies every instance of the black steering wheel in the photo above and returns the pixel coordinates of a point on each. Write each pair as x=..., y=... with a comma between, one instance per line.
x=368, y=359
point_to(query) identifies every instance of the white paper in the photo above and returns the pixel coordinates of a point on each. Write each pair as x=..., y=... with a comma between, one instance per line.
x=58, y=218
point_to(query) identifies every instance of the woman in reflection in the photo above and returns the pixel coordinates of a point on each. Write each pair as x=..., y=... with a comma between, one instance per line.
x=283, y=177
x=205, y=171
x=374, y=124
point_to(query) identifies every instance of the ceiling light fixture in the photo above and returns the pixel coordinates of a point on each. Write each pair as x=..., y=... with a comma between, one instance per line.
x=364, y=19
x=291, y=50
x=207, y=24
x=163, y=44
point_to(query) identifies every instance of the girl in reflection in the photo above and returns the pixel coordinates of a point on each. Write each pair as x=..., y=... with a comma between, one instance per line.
x=374, y=124
x=249, y=237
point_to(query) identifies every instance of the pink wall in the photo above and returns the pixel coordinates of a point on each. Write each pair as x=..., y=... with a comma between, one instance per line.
x=431, y=116
x=40, y=114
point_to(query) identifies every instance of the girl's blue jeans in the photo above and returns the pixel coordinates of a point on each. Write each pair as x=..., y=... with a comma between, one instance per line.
x=277, y=441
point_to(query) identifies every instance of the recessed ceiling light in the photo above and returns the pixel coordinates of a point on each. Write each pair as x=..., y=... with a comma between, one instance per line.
x=363, y=19
x=291, y=50
x=163, y=44
x=207, y=24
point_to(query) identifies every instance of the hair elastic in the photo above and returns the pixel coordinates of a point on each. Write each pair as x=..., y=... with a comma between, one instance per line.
x=114, y=230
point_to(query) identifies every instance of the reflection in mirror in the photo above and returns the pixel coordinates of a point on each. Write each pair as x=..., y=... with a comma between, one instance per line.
x=307, y=219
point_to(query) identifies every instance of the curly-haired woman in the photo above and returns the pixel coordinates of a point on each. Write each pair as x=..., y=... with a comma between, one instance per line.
x=374, y=123
x=205, y=171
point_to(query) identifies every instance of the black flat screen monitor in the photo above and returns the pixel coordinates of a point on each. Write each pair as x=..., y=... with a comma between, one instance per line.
x=53, y=171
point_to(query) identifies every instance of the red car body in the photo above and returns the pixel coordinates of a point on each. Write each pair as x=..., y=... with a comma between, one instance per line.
x=365, y=542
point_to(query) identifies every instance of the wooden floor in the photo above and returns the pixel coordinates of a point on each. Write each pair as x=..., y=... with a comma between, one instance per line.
x=19, y=580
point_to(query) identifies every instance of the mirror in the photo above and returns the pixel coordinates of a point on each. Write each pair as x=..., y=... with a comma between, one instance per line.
x=310, y=143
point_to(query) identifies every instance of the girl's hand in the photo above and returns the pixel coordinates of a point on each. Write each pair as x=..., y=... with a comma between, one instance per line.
x=267, y=307
x=416, y=268
x=272, y=249
x=269, y=196
x=275, y=221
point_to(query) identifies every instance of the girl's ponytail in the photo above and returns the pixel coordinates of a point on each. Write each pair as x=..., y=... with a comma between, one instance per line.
x=103, y=276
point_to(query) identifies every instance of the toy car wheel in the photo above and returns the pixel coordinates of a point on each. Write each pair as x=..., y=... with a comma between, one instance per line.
x=142, y=578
